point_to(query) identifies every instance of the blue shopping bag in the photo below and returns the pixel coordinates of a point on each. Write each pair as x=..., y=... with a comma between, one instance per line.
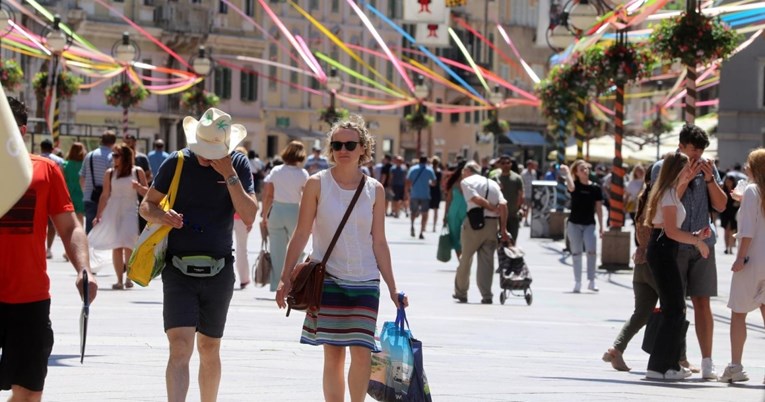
x=397, y=371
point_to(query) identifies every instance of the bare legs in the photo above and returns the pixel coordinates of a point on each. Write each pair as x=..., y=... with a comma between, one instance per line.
x=704, y=324
x=21, y=394
x=358, y=374
x=738, y=335
x=177, y=372
x=120, y=258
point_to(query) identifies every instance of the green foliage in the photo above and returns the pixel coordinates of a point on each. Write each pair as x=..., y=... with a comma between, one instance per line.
x=68, y=84
x=495, y=126
x=419, y=121
x=196, y=101
x=694, y=39
x=11, y=74
x=330, y=116
x=618, y=63
x=125, y=94
x=561, y=91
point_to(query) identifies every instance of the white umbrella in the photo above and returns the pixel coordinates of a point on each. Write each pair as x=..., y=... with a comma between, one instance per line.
x=14, y=159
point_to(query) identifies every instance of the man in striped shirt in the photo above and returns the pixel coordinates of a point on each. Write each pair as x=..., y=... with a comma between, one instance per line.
x=92, y=175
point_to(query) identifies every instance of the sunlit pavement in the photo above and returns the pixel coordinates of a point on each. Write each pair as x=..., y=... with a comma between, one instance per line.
x=549, y=351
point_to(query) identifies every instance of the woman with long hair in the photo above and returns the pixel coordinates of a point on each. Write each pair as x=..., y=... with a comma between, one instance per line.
x=747, y=288
x=456, y=208
x=72, y=166
x=586, y=205
x=347, y=316
x=115, y=226
x=282, y=190
x=665, y=214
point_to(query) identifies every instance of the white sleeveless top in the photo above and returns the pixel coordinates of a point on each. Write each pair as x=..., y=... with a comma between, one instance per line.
x=352, y=258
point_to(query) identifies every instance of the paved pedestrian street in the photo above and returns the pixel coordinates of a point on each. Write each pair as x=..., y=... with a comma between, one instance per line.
x=549, y=351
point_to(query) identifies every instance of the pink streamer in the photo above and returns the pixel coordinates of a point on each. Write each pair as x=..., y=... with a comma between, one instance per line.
x=146, y=34
x=393, y=59
x=315, y=66
x=286, y=32
x=247, y=70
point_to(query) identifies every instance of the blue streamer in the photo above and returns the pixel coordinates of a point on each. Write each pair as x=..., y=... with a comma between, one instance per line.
x=424, y=50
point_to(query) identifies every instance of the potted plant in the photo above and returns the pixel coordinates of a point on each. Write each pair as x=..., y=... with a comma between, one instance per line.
x=196, y=100
x=125, y=94
x=11, y=74
x=419, y=121
x=67, y=83
x=332, y=115
x=694, y=39
x=618, y=63
x=560, y=92
x=495, y=126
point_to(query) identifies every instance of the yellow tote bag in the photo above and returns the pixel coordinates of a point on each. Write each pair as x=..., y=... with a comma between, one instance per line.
x=148, y=256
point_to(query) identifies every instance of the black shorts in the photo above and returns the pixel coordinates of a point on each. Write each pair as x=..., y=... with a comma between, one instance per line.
x=26, y=341
x=201, y=303
x=398, y=193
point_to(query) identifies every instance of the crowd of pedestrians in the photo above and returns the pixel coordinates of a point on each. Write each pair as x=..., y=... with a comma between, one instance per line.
x=673, y=204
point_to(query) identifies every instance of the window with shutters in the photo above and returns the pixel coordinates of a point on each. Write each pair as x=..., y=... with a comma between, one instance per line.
x=146, y=73
x=335, y=6
x=273, y=55
x=222, y=7
x=313, y=4
x=293, y=76
x=248, y=86
x=439, y=115
x=249, y=7
x=222, y=82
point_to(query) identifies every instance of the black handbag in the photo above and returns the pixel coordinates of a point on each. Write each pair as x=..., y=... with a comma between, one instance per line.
x=95, y=195
x=652, y=330
x=475, y=215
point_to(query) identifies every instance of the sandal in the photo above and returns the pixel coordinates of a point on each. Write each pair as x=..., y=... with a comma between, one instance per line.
x=118, y=286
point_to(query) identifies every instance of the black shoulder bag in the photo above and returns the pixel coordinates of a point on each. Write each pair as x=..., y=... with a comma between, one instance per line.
x=95, y=196
x=475, y=215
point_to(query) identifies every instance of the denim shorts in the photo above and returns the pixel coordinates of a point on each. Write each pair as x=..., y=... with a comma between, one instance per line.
x=201, y=303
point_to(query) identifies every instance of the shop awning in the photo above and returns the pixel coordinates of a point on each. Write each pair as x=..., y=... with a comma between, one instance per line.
x=526, y=138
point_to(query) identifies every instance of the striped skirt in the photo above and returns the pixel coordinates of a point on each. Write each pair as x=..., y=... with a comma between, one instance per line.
x=347, y=317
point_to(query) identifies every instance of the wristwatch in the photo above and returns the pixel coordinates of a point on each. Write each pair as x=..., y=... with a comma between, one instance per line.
x=232, y=180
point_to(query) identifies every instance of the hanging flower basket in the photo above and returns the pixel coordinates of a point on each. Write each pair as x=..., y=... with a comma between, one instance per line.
x=330, y=116
x=419, y=121
x=125, y=94
x=694, y=39
x=618, y=63
x=495, y=126
x=560, y=92
x=11, y=74
x=68, y=85
x=196, y=101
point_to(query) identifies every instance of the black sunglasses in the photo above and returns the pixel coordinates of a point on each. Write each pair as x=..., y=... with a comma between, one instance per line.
x=338, y=145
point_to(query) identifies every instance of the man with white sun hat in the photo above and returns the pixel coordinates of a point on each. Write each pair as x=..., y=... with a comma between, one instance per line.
x=198, y=279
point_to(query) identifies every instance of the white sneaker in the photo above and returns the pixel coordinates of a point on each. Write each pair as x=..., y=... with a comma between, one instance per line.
x=577, y=287
x=734, y=373
x=592, y=286
x=671, y=375
x=708, y=371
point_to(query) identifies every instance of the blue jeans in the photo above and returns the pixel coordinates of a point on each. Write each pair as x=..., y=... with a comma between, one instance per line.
x=582, y=238
x=91, y=209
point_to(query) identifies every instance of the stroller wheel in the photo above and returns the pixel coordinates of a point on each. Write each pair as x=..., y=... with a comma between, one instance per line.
x=529, y=297
x=502, y=297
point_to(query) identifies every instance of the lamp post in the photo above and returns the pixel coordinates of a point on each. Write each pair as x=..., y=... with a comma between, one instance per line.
x=658, y=125
x=7, y=18
x=496, y=99
x=201, y=63
x=56, y=41
x=334, y=84
x=125, y=51
x=420, y=92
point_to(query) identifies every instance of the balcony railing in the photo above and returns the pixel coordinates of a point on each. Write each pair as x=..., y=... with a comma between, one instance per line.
x=184, y=18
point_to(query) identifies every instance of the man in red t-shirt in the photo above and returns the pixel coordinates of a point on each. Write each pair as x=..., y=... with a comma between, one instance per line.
x=26, y=337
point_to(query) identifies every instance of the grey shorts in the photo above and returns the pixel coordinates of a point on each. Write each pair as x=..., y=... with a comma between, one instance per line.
x=201, y=303
x=699, y=275
x=419, y=205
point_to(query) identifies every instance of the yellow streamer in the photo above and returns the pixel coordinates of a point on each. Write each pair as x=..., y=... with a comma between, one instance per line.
x=345, y=48
x=469, y=59
x=368, y=80
x=446, y=82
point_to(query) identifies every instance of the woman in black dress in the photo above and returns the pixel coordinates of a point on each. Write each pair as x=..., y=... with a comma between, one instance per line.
x=728, y=216
x=435, y=190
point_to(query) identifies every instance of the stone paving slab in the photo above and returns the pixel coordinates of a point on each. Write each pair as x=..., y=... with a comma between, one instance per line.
x=549, y=351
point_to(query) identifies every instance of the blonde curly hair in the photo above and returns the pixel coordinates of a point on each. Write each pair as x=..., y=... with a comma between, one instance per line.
x=356, y=123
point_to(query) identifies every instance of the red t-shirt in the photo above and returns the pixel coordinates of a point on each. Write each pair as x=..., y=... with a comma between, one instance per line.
x=23, y=267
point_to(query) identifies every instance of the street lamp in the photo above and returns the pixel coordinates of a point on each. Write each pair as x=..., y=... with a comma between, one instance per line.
x=7, y=18
x=201, y=63
x=658, y=125
x=420, y=92
x=583, y=14
x=56, y=41
x=125, y=51
x=334, y=84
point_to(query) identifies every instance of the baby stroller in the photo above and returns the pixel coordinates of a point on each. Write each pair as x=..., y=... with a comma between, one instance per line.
x=514, y=276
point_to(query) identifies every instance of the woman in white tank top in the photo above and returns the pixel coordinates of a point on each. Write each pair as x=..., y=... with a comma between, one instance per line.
x=348, y=313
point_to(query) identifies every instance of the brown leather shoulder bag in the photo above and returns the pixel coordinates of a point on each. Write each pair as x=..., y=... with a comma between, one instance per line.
x=307, y=278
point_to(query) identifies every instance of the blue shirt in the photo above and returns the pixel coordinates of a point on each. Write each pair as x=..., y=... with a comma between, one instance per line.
x=102, y=160
x=155, y=160
x=205, y=204
x=398, y=175
x=420, y=175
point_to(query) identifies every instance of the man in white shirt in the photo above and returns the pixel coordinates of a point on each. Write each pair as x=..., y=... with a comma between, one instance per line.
x=528, y=175
x=480, y=192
